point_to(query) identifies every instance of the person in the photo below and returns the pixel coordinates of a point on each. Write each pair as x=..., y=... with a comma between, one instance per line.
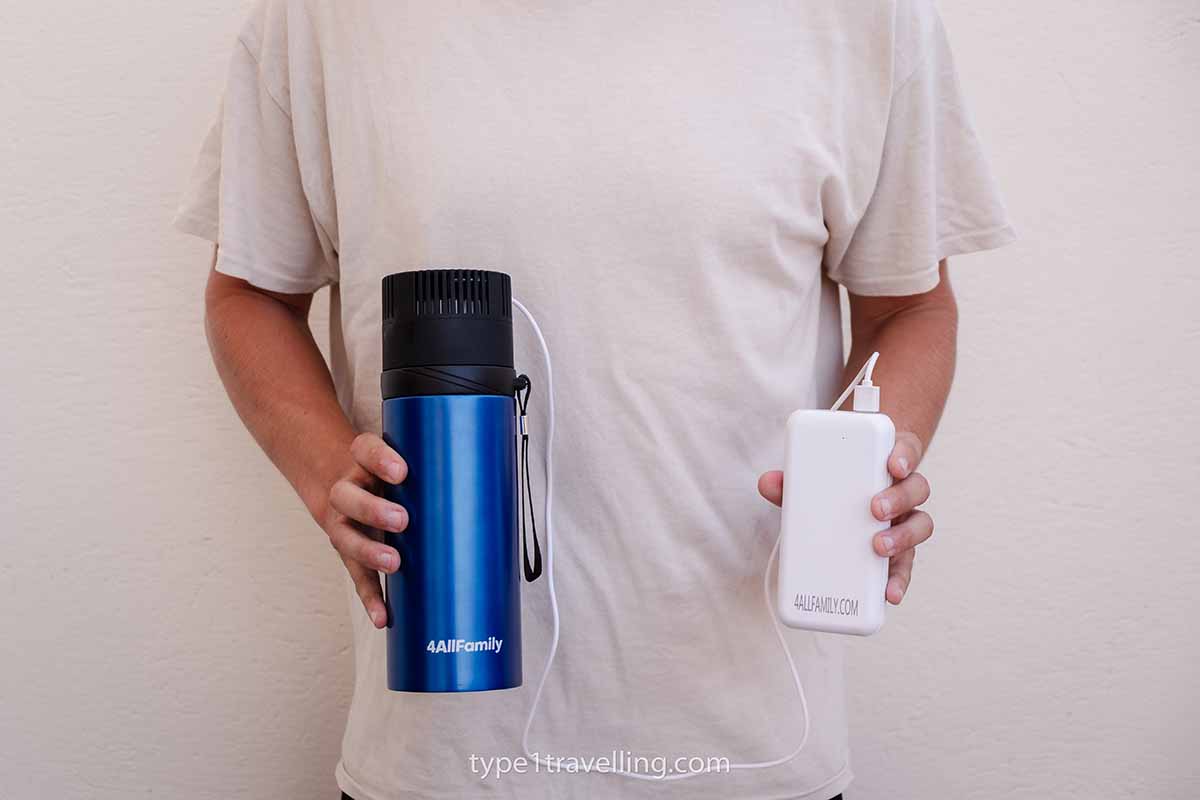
x=677, y=190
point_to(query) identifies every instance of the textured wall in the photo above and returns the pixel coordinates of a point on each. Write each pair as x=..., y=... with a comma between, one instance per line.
x=172, y=623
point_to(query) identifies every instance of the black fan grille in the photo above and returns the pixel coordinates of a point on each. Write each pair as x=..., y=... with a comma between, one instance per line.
x=448, y=292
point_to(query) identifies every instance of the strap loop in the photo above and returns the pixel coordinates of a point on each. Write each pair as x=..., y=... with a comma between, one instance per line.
x=524, y=387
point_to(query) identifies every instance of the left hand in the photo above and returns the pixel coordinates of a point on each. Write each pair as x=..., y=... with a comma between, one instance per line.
x=897, y=504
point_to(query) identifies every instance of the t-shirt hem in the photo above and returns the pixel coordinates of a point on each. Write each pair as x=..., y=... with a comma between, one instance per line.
x=195, y=225
x=347, y=784
x=927, y=279
x=892, y=285
x=235, y=267
x=976, y=241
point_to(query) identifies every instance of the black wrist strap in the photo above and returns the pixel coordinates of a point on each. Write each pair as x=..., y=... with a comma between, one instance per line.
x=532, y=571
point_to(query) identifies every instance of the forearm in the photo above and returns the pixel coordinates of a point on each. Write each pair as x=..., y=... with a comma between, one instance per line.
x=918, y=346
x=278, y=381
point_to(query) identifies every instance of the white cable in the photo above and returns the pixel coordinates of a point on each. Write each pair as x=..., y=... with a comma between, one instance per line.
x=865, y=373
x=548, y=522
x=869, y=369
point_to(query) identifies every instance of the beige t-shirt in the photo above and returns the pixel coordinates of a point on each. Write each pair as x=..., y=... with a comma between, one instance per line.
x=674, y=188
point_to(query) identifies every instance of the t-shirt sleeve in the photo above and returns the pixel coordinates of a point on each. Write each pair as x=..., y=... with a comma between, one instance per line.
x=248, y=190
x=935, y=195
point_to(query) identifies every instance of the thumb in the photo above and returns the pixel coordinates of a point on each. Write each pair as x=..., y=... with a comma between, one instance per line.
x=770, y=486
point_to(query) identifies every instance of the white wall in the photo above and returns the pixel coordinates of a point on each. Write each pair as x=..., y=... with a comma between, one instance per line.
x=171, y=622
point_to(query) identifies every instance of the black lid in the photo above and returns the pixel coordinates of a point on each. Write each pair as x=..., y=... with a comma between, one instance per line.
x=447, y=317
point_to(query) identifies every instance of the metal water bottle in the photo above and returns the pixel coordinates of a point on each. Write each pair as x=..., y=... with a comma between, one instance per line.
x=454, y=606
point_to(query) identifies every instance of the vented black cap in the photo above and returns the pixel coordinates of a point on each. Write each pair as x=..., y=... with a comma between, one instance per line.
x=447, y=317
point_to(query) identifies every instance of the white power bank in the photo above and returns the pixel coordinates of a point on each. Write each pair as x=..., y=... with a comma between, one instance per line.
x=830, y=578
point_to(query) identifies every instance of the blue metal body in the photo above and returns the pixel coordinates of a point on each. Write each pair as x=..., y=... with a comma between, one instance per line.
x=454, y=606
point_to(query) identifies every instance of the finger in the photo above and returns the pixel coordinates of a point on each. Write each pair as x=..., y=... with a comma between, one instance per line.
x=899, y=576
x=366, y=586
x=905, y=455
x=900, y=498
x=770, y=486
x=354, y=545
x=374, y=455
x=906, y=535
x=363, y=506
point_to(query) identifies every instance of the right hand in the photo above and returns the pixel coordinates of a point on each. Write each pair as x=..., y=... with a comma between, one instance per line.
x=355, y=515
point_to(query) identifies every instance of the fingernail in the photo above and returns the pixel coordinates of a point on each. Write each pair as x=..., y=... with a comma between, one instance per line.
x=379, y=618
x=388, y=561
x=902, y=462
x=393, y=471
x=885, y=507
x=396, y=520
x=889, y=545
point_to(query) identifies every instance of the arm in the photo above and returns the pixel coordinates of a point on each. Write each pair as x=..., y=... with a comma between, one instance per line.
x=274, y=374
x=917, y=336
